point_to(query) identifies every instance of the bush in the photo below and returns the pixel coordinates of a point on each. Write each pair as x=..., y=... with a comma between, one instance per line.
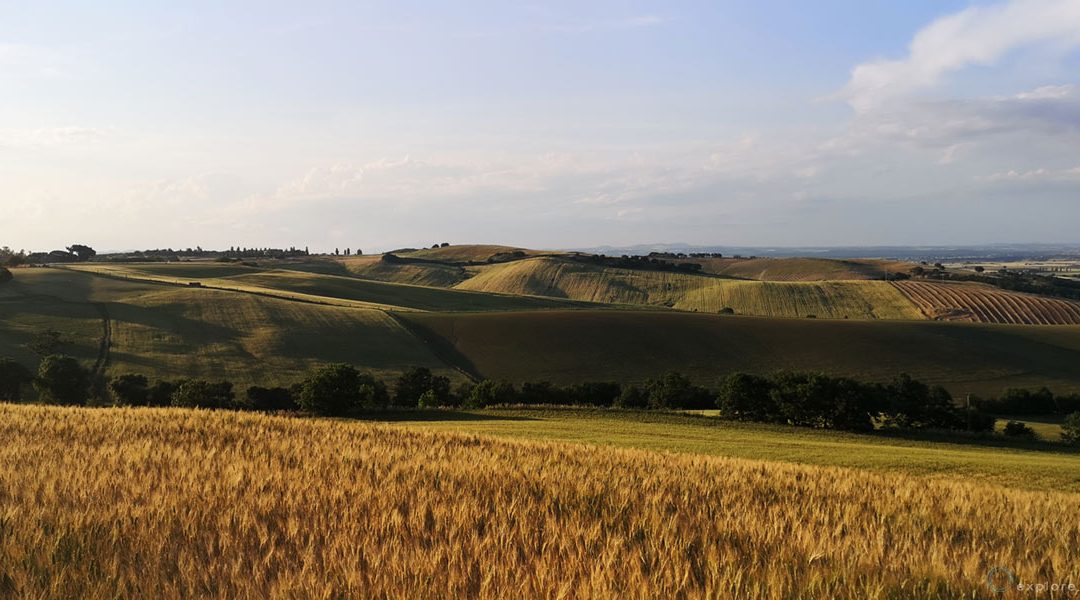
x=160, y=394
x=339, y=389
x=1018, y=429
x=62, y=380
x=130, y=390
x=979, y=421
x=632, y=397
x=674, y=390
x=490, y=393
x=417, y=381
x=270, y=399
x=745, y=397
x=196, y=393
x=1070, y=429
x=5, y=275
x=542, y=392
x=594, y=393
x=13, y=376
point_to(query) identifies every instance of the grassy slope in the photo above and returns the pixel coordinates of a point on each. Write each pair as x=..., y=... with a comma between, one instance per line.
x=467, y=252
x=568, y=346
x=391, y=294
x=800, y=268
x=166, y=331
x=1009, y=467
x=566, y=279
x=325, y=288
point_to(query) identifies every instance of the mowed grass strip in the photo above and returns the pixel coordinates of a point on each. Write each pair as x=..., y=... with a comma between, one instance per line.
x=163, y=503
x=940, y=460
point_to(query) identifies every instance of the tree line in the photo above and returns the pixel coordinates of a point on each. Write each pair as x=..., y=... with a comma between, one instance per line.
x=813, y=400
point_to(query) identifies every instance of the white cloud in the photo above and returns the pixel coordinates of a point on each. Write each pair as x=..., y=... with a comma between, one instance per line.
x=51, y=136
x=1040, y=174
x=974, y=36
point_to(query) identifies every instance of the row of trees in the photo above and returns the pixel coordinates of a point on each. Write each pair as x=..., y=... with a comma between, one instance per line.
x=802, y=399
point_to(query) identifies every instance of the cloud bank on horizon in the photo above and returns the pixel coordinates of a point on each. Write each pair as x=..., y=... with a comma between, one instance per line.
x=550, y=126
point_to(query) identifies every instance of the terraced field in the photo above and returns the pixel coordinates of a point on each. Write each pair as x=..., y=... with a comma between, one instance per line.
x=986, y=304
x=560, y=278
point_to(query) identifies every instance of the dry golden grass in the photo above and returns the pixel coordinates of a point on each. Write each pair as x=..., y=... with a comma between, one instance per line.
x=143, y=503
x=987, y=304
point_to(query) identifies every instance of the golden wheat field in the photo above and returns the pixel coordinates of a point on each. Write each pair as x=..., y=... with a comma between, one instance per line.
x=166, y=503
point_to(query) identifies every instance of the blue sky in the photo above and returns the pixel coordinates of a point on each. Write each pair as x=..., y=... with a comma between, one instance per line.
x=383, y=124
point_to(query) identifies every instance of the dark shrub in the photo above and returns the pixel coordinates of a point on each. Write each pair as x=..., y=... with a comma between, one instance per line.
x=196, y=393
x=491, y=393
x=332, y=390
x=674, y=390
x=160, y=394
x=1018, y=429
x=5, y=275
x=746, y=397
x=130, y=390
x=632, y=397
x=62, y=380
x=13, y=376
x=979, y=421
x=1070, y=429
x=270, y=399
x=594, y=393
x=541, y=392
x=416, y=382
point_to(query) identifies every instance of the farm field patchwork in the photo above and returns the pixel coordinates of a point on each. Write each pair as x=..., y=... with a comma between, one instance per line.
x=186, y=503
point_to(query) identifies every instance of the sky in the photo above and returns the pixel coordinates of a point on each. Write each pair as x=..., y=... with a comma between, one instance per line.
x=375, y=125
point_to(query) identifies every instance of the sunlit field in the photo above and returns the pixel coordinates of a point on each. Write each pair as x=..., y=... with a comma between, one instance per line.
x=169, y=503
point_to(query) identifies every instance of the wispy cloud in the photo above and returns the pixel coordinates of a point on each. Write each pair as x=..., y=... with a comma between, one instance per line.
x=974, y=36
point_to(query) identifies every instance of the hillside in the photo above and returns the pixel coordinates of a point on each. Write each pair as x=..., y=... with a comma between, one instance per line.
x=565, y=347
x=560, y=278
x=167, y=331
x=171, y=503
x=469, y=253
x=987, y=304
x=801, y=269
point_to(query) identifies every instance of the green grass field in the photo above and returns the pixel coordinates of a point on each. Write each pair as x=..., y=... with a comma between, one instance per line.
x=565, y=346
x=1004, y=466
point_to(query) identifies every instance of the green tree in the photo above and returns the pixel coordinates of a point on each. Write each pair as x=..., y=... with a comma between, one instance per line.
x=196, y=393
x=1070, y=429
x=632, y=397
x=1018, y=429
x=5, y=275
x=415, y=382
x=130, y=390
x=81, y=251
x=674, y=390
x=62, y=380
x=491, y=393
x=13, y=376
x=747, y=397
x=335, y=390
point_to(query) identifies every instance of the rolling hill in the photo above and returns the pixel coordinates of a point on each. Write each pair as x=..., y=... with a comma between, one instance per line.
x=167, y=331
x=987, y=304
x=565, y=347
x=801, y=269
x=561, y=278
